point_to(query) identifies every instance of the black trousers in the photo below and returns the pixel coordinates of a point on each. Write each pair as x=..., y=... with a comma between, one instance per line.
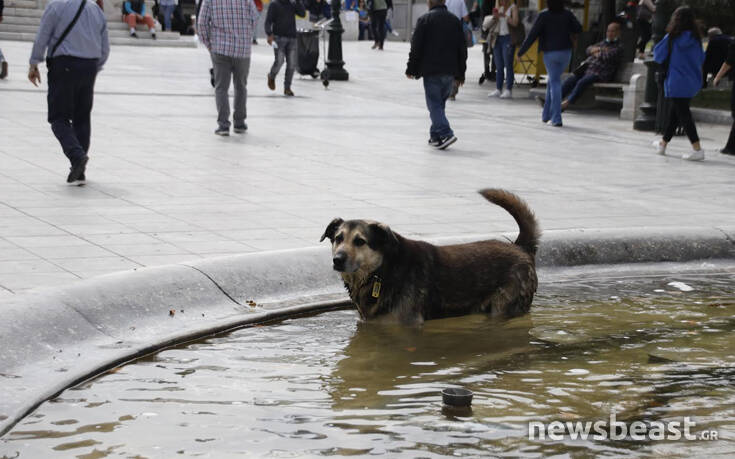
x=679, y=113
x=377, y=22
x=731, y=140
x=70, y=96
x=645, y=30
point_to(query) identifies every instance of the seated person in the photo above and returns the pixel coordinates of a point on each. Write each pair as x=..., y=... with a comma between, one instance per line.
x=603, y=60
x=364, y=22
x=134, y=13
x=716, y=52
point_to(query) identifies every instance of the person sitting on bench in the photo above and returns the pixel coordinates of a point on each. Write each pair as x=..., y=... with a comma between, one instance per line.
x=602, y=63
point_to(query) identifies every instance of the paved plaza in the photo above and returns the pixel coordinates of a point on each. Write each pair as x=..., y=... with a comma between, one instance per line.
x=162, y=188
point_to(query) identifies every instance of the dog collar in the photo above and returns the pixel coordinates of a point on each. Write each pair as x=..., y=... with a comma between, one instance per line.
x=377, y=285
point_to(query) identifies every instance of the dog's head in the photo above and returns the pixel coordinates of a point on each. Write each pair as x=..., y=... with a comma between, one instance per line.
x=359, y=245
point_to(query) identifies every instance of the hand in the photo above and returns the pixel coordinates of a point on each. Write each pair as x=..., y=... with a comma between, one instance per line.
x=269, y=40
x=410, y=77
x=138, y=16
x=459, y=82
x=34, y=76
x=716, y=81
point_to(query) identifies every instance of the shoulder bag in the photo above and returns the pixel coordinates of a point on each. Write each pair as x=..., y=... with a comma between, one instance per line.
x=49, y=58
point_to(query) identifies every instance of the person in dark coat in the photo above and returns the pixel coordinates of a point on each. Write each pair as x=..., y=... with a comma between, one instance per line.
x=378, y=10
x=716, y=52
x=439, y=55
x=280, y=28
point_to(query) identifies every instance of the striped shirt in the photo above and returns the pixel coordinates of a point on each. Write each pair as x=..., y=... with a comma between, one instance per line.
x=226, y=26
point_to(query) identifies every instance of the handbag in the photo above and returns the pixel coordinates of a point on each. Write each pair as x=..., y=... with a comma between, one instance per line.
x=49, y=58
x=581, y=69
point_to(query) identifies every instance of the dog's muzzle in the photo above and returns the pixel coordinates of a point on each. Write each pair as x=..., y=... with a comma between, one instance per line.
x=338, y=261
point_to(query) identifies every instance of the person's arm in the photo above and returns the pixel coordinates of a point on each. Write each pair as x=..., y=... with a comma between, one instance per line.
x=128, y=8
x=532, y=35
x=649, y=4
x=417, y=51
x=513, y=19
x=105, y=42
x=389, y=3
x=203, y=23
x=462, y=63
x=465, y=13
x=723, y=71
x=43, y=37
x=142, y=9
x=661, y=50
x=300, y=9
x=269, y=22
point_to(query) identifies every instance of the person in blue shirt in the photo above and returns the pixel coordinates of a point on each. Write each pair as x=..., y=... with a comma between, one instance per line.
x=682, y=48
x=72, y=65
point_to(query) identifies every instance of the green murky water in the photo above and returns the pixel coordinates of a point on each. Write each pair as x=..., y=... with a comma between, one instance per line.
x=326, y=385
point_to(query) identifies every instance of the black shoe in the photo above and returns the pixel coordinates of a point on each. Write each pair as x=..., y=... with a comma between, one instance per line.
x=434, y=142
x=133, y=35
x=444, y=142
x=255, y=41
x=211, y=77
x=77, y=172
x=728, y=151
x=3, y=70
x=240, y=128
x=224, y=132
x=153, y=35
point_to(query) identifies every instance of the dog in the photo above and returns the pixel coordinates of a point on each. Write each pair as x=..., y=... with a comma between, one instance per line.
x=393, y=278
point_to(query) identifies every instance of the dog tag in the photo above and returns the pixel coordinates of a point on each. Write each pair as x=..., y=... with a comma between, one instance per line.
x=376, y=288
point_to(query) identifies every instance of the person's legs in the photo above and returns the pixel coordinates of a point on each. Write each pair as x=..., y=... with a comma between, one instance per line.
x=578, y=88
x=380, y=16
x=222, y=74
x=240, y=70
x=279, y=56
x=644, y=35
x=672, y=121
x=436, y=91
x=168, y=11
x=568, y=85
x=3, y=66
x=499, y=57
x=508, y=54
x=556, y=62
x=131, y=21
x=684, y=114
x=289, y=45
x=83, y=101
x=730, y=145
x=148, y=21
x=61, y=85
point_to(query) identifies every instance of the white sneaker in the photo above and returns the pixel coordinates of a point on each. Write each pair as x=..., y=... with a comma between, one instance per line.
x=506, y=94
x=660, y=148
x=694, y=155
x=495, y=93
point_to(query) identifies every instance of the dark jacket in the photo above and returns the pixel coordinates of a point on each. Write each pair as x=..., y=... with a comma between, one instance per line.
x=554, y=31
x=716, y=53
x=438, y=46
x=606, y=64
x=684, y=79
x=280, y=19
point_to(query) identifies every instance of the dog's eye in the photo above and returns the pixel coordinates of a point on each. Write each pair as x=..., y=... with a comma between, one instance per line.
x=359, y=242
x=339, y=239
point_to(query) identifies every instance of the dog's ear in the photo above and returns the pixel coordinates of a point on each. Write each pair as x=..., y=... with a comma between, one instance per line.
x=331, y=229
x=382, y=237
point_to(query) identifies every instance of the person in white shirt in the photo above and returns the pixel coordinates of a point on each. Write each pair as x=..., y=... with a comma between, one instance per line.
x=506, y=13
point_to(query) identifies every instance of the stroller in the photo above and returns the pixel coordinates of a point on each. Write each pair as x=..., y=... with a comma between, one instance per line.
x=307, y=46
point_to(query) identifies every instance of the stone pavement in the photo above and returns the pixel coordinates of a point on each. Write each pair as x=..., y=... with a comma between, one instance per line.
x=164, y=189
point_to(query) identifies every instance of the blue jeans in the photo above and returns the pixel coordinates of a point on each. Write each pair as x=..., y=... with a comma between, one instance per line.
x=167, y=11
x=503, y=53
x=555, y=62
x=574, y=86
x=437, y=89
x=286, y=51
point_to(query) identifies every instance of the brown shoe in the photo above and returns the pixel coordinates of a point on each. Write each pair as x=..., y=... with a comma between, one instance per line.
x=3, y=70
x=271, y=83
x=287, y=92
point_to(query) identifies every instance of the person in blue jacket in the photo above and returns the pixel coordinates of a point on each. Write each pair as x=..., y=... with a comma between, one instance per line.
x=555, y=28
x=682, y=47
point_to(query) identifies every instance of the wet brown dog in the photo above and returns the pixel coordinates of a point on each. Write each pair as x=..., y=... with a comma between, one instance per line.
x=389, y=276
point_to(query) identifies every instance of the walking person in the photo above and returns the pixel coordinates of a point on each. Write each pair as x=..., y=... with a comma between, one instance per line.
x=506, y=15
x=439, y=55
x=680, y=52
x=74, y=32
x=226, y=29
x=725, y=70
x=644, y=21
x=556, y=28
x=378, y=13
x=280, y=28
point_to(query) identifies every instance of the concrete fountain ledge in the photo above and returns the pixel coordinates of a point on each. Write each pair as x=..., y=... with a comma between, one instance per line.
x=52, y=339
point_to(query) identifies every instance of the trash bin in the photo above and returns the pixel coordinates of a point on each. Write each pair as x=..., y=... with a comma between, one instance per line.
x=307, y=46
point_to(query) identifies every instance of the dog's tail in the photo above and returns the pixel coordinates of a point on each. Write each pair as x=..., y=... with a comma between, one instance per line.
x=530, y=233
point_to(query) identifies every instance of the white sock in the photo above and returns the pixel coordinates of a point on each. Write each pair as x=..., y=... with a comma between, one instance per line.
x=153, y=30
x=132, y=30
